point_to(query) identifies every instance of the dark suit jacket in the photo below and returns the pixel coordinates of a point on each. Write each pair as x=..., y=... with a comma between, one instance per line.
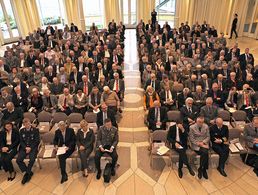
x=185, y=114
x=209, y=114
x=16, y=116
x=29, y=138
x=216, y=133
x=78, y=78
x=162, y=97
x=121, y=85
x=70, y=139
x=163, y=117
x=110, y=114
x=15, y=139
x=181, y=99
x=171, y=137
x=219, y=93
x=56, y=89
x=88, y=141
x=50, y=78
x=157, y=84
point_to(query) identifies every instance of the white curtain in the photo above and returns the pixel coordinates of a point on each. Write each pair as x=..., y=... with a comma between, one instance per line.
x=112, y=11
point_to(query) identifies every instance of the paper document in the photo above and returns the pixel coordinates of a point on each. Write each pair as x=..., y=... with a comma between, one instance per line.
x=233, y=148
x=162, y=150
x=61, y=150
x=239, y=146
x=48, y=151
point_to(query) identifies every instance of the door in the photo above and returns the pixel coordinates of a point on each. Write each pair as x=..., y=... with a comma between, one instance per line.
x=8, y=25
x=128, y=12
x=251, y=20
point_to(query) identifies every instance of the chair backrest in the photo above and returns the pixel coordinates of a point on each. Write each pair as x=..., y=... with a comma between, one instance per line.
x=239, y=115
x=173, y=115
x=224, y=114
x=90, y=117
x=159, y=135
x=29, y=115
x=59, y=116
x=75, y=118
x=44, y=116
x=48, y=138
x=234, y=133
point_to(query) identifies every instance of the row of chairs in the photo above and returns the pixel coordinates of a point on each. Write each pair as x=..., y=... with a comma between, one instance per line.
x=45, y=121
x=160, y=136
x=236, y=119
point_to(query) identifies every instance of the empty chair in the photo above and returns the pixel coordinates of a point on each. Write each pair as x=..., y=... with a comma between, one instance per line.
x=90, y=117
x=57, y=117
x=74, y=120
x=239, y=118
x=158, y=138
x=225, y=115
x=173, y=116
x=44, y=120
x=31, y=116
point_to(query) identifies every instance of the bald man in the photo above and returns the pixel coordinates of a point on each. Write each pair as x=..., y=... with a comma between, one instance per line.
x=157, y=117
x=219, y=139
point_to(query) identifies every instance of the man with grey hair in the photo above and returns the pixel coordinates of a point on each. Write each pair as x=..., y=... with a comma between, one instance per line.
x=189, y=113
x=111, y=99
x=118, y=86
x=209, y=112
x=64, y=137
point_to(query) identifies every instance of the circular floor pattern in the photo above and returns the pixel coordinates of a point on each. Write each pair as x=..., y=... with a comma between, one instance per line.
x=132, y=98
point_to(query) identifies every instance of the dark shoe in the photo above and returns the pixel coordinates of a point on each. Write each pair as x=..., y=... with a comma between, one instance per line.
x=25, y=178
x=191, y=171
x=64, y=178
x=113, y=172
x=98, y=174
x=222, y=172
x=180, y=173
x=29, y=176
x=13, y=177
x=199, y=173
x=204, y=173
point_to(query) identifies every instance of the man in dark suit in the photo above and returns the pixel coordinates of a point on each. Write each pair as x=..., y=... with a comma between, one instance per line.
x=234, y=26
x=157, y=117
x=49, y=101
x=29, y=142
x=30, y=60
x=85, y=85
x=12, y=114
x=76, y=76
x=115, y=69
x=216, y=95
x=64, y=137
x=50, y=74
x=22, y=85
x=219, y=139
x=177, y=137
x=246, y=58
x=191, y=83
x=118, y=86
x=153, y=82
x=199, y=97
x=56, y=87
x=168, y=98
x=181, y=97
x=73, y=28
x=104, y=114
x=251, y=134
x=107, y=140
x=189, y=113
x=209, y=112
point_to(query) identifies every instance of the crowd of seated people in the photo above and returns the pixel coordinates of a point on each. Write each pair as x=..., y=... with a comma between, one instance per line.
x=61, y=70
x=192, y=70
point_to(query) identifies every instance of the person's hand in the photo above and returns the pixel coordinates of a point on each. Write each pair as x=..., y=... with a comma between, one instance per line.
x=218, y=141
x=180, y=126
x=212, y=122
x=111, y=149
x=144, y=108
x=178, y=145
x=5, y=149
x=200, y=144
x=218, y=98
x=159, y=123
x=81, y=148
x=62, y=109
x=205, y=146
x=66, y=148
x=190, y=120
x=102, y=149
x=256, y=141
x=28, y=149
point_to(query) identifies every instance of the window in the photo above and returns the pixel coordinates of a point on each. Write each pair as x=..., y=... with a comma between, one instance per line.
x=7, y=21
x=128, y=8
x=166, y=11
x=94, y=13
x=51, y=12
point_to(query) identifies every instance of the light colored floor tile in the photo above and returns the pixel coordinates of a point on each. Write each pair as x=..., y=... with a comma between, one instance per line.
x=127, y=188
x=142, y=187
x=173, y=186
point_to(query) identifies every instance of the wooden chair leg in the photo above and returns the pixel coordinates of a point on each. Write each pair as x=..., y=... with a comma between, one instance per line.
x=39, y=163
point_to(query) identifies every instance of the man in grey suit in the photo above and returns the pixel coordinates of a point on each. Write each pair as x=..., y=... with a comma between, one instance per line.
x=107, y=140
x=199, y=97
x=49, y=101
x=199, y=138
x=251, y=134
x=209, y=112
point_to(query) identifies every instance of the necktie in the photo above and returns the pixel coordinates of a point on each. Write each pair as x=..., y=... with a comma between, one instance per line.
x=200, y=129
x=156, y=114
x=215, y=95
x=246, y=100
x=116, y=86
x=190, y=110
x=64, y=106
x=85, y=90
x=255, y=129
x=167, y=94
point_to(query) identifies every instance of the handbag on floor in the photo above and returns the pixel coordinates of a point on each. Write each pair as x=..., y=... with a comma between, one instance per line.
x=107, y=172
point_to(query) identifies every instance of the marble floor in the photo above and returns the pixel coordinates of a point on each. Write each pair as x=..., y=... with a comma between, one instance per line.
x=135, y=176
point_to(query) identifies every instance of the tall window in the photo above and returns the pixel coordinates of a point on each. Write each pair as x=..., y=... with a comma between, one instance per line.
x=128, y=11
x=7, y=21
x=94, y=13
x=51, y=12
x=166, y=11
